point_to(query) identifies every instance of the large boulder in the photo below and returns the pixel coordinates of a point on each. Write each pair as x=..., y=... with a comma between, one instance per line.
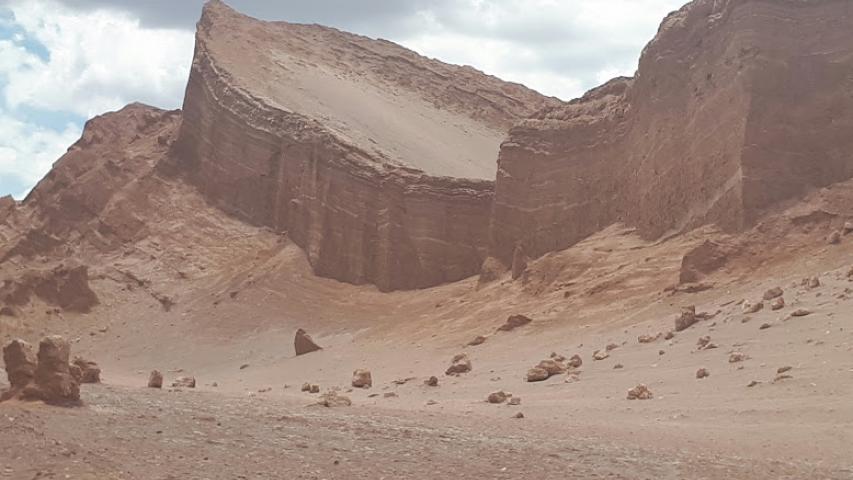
x=53, y=382
x=20, y=361
x=303, y=343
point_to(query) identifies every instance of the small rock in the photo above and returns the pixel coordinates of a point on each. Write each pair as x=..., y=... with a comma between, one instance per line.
x=765, y=326
x=431, y=381
x=332, y=399
x=686, y=319
x=703, y=342
x=497, y=397
x=518, y=415
x=618, y=366
x=575, y=362
x=458, y=365
x=669, y=335
x=753, y=383
x=848, y=227
x=362, y=379
x=537, y=375
x=389, y=395
x=777, y=304
x=810, y=282
x=90, y=372
x=737, y=357
x=600, y=355
x=834, y=238
x=551, y=366
x=774, y=292
x=782, y=370
x=801, y=312
x=661, y=352
x=478, y=340
x=303, y=343
x=514, y=401
x=513, y=322
x=184, y=382
x=640, y=392
x=702, y=373
x=155, y=379
x=749, y=308
x=244, y=366
x=779, y=378
x=315, y=389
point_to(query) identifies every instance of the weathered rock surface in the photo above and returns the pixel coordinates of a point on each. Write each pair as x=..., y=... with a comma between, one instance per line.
x=295, y=137
x=303, y=343
x=765, y=77
x=64, y=287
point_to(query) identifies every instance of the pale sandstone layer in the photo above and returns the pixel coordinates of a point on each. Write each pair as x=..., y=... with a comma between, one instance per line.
x=737, y=105
x=336, y=138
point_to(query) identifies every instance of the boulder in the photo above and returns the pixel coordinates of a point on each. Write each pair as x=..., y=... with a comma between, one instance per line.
x=53, y=381
x=362, y=379
x=777, y=303
x=687, y=318
x=20, y=361
x=303, y=343
x=155, y=379
x=458, y=365
x=537, y=374
x=90, y=372
x=513, y=322
x=702, y=373
x=801, y=312
x=552, y=366
x=640, y=392
x=811, y=282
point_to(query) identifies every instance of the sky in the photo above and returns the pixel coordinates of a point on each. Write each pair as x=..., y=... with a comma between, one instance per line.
x=65, y=61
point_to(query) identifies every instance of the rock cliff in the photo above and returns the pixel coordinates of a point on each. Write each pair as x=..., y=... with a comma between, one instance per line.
x=348, y=144
x=737, y=105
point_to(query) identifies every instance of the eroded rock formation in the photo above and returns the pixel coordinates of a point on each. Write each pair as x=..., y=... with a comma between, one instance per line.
x=736, y=106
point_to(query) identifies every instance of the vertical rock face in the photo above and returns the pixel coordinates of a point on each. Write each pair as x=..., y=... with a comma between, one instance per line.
x=53, y=380
x=347, y=144
x=20, y=361
x=736, y=106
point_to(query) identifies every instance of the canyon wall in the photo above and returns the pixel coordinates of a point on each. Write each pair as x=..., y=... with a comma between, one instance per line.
x=260, y=141
x=737, y=105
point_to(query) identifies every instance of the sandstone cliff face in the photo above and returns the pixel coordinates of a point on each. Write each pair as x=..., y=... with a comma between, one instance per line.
x=326, y=135
x=737, y=105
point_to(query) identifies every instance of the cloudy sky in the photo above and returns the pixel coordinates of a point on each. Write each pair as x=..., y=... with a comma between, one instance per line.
x=63, y=61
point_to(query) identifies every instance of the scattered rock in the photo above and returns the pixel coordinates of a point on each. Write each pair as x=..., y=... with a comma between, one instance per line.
x=774, y=292
x=738, y=357
x=753, y=383
x=497, y=397
x=306, y=387
x=514, y=401
x=575, y=362
x=669, y=335
x=332, y=399
x=315, y=389
x=53, y=382
x=779, y=378
x=155, y=379
x=749, y=308
x=686, y=319
x=431, y=381
x=537, y=375
x=303, y=343
x=801, y=312
x=640, y=392
x=362, y=379
x=600, y=355
x=703, y=342
x=244, y=366
x=610, y=347
x=389, y=395
x=848, y=227
x=551, y=366
x=90, y=372
x=810, y=282
x=518, y=415
x=618, y=366
x=648, y=338
x=782, y=370
x=702, y=373
x=765, y=326
x=513, y=322
x=478, y=340
x=458, y=365
x=184, y=382
x=777, y=303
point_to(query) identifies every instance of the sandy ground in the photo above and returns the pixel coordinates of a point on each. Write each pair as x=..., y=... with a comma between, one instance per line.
x=237, y=309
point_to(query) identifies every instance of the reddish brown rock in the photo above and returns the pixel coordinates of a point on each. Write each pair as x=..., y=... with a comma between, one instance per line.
x=552, y=366
x=513, y=322
x=155, y=379
x=637, y=150
x=497, y=397
x=431, y=381
x=20, y=361
x=600, y=355
x=184, y=382
x=537, y=374
x=687, y=318
x=458, y=365
x=640, y=392
x=303, y=343
x=362, y=379
x=777, y=303
x=333, y=399
x=53, y=382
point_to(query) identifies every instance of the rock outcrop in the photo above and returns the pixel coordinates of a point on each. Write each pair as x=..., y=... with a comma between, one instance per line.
x=295, y=137
x=20, y=361
x=46, y=377
x=64, y=287
x=736, y=106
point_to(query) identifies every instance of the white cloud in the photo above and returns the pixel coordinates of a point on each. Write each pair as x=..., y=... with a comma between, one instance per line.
x=99, y=61
x=27, y=152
